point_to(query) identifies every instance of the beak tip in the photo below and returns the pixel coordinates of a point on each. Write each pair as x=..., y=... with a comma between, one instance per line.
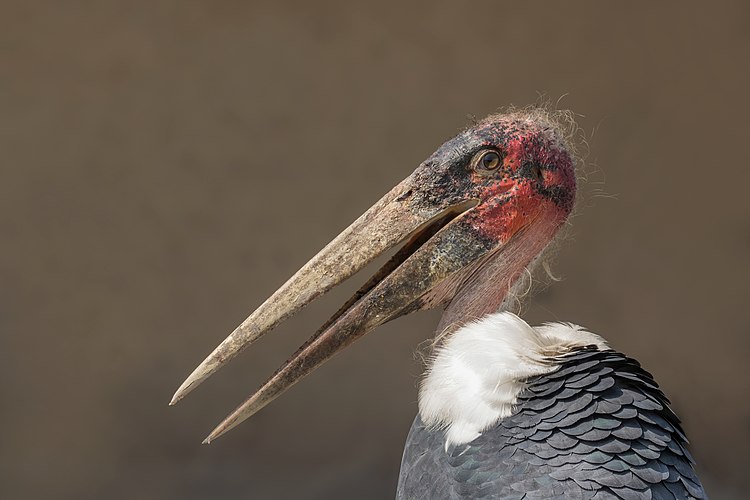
x=201, y=373
x=187, y=386
x=229, y=348
x=218, y=431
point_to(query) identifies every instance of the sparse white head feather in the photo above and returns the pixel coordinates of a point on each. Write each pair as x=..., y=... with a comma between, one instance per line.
x=480, y=369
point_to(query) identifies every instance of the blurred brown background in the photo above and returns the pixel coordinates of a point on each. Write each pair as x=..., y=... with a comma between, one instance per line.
x=166, y=165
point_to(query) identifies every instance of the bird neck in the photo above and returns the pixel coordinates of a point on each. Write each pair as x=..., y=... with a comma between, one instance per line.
x=496, y=282
x=477, y=373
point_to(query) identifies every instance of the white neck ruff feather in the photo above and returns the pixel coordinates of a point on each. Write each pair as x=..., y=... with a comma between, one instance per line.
x=479, y=371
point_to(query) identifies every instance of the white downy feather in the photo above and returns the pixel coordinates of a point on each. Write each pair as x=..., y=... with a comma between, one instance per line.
x=479, y=371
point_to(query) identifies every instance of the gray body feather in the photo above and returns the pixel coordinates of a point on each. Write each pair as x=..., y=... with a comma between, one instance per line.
x=598, y=427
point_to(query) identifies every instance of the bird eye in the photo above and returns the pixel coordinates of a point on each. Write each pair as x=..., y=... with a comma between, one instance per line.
x=488, y=160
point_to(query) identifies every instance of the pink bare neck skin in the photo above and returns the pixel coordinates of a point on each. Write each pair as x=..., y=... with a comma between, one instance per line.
x=486, y=287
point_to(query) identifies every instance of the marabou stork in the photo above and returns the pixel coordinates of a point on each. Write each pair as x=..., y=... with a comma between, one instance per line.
x=506, y=410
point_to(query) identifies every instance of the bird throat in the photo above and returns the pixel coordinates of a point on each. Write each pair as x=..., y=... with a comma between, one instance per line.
x=497, y=282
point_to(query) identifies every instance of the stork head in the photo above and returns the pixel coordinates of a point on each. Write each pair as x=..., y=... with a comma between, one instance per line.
x=470, y=219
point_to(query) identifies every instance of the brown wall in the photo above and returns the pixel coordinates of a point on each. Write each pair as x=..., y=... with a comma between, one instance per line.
x=166, y=165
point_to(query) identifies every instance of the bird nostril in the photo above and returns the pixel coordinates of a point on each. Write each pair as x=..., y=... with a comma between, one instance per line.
x=404, y=196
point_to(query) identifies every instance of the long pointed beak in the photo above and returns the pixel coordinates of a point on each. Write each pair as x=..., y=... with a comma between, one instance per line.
x=350, y=251
x=439, y=243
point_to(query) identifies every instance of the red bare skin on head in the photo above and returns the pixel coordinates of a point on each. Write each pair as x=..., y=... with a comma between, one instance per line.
x=536, y=182
x=522, y=204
